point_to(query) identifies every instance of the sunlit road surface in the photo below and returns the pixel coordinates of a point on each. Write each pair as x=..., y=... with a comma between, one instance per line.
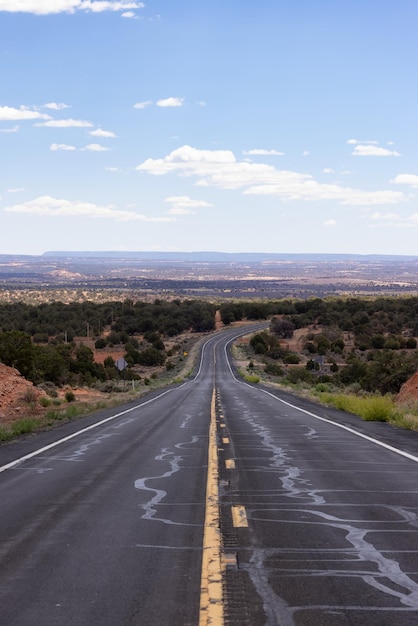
x=119, y=524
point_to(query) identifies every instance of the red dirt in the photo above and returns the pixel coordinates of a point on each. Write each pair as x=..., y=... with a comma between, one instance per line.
x=13, y=391
x=409, y=390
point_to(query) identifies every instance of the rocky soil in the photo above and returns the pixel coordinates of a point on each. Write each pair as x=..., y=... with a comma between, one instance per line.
x=409, y=390
x=15, y=394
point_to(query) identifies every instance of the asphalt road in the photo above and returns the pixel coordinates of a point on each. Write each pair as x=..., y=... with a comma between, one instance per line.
x=318, y=512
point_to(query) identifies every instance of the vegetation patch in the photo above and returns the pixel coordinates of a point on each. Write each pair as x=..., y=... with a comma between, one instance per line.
x=370, y=408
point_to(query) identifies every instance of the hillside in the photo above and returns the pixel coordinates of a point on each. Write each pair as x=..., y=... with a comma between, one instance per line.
x=13, y=391
x=409, y=390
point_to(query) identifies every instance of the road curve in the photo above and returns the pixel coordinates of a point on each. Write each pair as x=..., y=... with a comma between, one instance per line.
x=105, y=521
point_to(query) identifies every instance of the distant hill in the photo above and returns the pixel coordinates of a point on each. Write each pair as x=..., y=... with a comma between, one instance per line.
x=226, y=257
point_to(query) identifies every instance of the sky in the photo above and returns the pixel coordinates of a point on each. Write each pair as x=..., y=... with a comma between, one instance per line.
x=279, y=126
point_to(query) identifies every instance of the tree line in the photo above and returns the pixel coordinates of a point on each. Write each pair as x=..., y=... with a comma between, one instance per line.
x=41, y=340
x=367, y=344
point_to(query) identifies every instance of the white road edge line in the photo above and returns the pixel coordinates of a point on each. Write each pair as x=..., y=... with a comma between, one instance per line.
x=411, y=457
x=80, y=432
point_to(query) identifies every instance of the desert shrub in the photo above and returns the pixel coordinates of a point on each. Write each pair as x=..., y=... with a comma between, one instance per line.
x=72, y=411
x=107, y=386
x=69, y=396
x=291, y=358
x=273, y=369
x=5, y=434
x=370, y=408
x=276, y=352
x=252, y=378
x=23, y=426
x=299, y=375
x=109, y=362
x=282, y=327
x=259, y=342
x=49, y=389
x=260, y=348
x=376, y=408
x=158, y=344
x=392, y=343
x=30, y=397
x=322, y=387
x=151, y=357
x=53, y=416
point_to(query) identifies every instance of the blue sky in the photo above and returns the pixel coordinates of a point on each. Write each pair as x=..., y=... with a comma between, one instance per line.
x=278, y=126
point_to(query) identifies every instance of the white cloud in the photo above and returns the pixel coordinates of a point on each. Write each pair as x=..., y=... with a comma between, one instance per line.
x=327, y=170
x=219, y=168
x=95, y=147
x=330, y=223
x=393, y=220
x=22, y=113
x=98, y=6
x=47, y=7
x=143, y=105
x=357, y=141
x=15, y=190
x=65, y=123
x=183, y=205
x=305, y=153
x=56, y=106
x=406, y=179
x=262, y=152
x=12, y=129
x=170, y=102
x=369, y=150
x=129, y=15
x=178, y=210
x=112, y=169
x=101, y=133
x=61, y=146
x=46, y=206
x=377, y=215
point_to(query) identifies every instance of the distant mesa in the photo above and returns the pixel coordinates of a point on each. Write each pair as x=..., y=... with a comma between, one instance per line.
x=225, y=257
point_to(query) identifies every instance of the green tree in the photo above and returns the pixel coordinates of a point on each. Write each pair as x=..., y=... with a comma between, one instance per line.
x=16, y=350
x=151, y=356
x=282, y=327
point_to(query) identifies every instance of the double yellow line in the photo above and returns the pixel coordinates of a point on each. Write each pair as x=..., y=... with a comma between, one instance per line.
x=211, y=589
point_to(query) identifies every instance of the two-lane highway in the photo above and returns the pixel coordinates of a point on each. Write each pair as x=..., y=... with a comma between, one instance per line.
x=115, y=520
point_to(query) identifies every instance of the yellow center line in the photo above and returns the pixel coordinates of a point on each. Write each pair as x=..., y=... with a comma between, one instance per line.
x=211, y=588
x=229, y=463
x=225, y=440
